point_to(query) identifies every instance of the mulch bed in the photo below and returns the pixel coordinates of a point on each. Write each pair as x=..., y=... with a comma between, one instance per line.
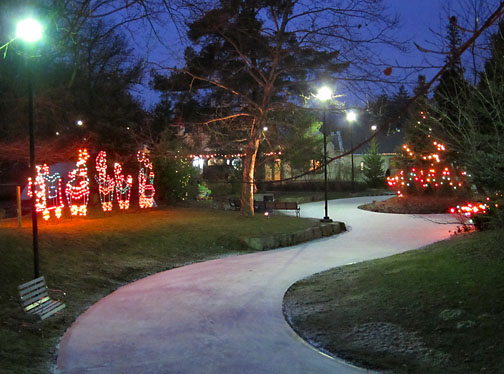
x=414, y=204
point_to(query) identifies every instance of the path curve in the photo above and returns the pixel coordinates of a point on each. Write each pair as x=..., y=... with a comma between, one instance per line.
x=225, y=316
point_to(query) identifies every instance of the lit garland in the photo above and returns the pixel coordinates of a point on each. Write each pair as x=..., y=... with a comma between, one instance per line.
x=469, y=209
x=230, y=156
x=48, y=192
x=106, y=184
x=431, y=176
x=146, y=190
x=122, y=187
x=208, y=156
x=77, y=188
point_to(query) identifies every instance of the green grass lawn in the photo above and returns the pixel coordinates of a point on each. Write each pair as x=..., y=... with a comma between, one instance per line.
x=435, y=310
x=90, y=257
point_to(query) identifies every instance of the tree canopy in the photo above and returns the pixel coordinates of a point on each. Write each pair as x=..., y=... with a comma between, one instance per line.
x=252, y=59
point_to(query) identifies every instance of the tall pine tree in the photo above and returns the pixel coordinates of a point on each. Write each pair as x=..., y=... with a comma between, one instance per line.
x=253, y=58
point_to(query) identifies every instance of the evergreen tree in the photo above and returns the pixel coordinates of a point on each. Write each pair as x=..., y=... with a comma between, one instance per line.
x=374, y=175
x=418, y=125
x=251, y=59
x=452, y=91
x=398, y=109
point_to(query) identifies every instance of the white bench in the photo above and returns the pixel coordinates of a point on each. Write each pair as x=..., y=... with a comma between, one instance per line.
x=35, y=299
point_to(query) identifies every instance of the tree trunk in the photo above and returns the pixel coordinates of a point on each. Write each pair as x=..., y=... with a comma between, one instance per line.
x=247, y=192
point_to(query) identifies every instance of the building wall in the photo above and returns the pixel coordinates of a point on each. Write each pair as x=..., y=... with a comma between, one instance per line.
x=338, y=170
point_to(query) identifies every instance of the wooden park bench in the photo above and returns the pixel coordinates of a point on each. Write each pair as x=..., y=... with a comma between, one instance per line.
x=35, y=299
x=258, y=205
x=283, y=205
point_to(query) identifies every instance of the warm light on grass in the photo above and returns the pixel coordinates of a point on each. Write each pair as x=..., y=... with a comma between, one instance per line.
x=89, y=257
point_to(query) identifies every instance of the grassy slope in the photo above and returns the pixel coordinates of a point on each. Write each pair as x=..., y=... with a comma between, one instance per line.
x=89, y=258
x=436, y=310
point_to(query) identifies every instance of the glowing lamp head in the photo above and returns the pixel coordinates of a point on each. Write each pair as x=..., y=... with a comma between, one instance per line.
x=351, y=116
x=374, y=127
x=29, y=30
x=79, y=123
x=324, y=94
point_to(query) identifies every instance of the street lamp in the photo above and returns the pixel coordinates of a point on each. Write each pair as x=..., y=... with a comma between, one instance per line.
x=30, y=31
x=324, y=94
x=352, y=117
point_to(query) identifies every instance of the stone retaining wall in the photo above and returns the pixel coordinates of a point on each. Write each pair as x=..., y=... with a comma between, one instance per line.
x=286, y=240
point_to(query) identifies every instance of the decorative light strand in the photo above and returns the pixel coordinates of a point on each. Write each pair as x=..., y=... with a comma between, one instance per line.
x=122, y=187
x=470, y=209
x=428, y=176
x=77, y=188
x=106, y=184
x=230, y=156
x=146, y=190
x=48, y=192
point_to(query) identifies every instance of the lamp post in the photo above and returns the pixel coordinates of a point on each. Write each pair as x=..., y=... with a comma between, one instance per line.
x=351, y=117
x=30, y=31
x=324, y=94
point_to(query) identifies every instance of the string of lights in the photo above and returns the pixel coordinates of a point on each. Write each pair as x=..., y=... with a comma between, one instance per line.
x=146, y=190
x=77, y=188
x=122, y=187
x=106, y=184
x=48, y=192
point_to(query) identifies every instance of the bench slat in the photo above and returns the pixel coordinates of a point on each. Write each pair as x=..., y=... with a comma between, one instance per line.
x=35, y=299
x=47, y=307
x=53, y=311
x=34, y=296
x=36, y=304
x=32, y=282
x=37, y=286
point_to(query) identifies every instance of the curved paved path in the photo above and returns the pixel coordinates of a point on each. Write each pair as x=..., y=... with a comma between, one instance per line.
x=225, y=316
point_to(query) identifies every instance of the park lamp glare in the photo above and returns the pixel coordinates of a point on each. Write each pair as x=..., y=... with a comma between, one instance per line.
x=324, y=93
x=351, y=116
x=265, y=128
x=29, y=30
x=79, y=123
x=374, y=127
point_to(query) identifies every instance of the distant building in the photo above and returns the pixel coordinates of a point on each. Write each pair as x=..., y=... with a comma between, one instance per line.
x=340, y=136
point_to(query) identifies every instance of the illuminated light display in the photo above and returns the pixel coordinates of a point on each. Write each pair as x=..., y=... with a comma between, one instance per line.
x=48, y=192
x=122, y=187
x=432, y=175
x=470, y=209
x=146, y=190
x=77, y=188
x=230, y=156
x=106, y=184
x=208, y=156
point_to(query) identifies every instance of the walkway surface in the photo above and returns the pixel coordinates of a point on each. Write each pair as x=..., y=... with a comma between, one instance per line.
x=225, y=316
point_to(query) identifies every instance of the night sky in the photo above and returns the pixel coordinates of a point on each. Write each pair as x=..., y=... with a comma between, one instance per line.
x=417, y=19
